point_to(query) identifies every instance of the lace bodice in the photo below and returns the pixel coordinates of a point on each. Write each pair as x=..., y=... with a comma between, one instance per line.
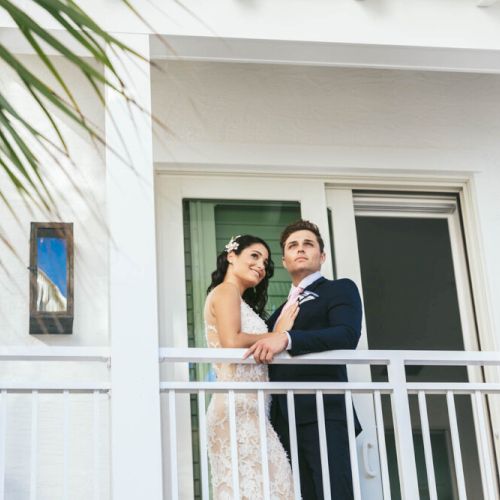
x=251, y=322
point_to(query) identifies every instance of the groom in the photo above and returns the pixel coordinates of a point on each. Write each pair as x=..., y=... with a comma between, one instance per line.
x=329, y=318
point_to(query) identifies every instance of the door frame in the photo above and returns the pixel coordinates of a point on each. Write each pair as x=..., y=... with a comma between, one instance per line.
x=171, y=191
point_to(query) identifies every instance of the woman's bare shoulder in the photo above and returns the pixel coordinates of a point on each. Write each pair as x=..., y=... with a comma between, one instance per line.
x=225, y=293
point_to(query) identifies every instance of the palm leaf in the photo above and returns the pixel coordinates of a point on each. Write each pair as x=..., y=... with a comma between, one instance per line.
x=17, y=159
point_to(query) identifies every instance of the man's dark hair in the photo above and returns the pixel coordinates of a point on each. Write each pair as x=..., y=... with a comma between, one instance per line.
x=301, y=225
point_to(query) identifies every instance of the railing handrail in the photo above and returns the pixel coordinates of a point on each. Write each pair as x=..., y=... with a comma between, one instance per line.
x=54, y=353
x=216, y=355
x=338, y=357
x=277, y=387
x=329, y=387
x=54, y=387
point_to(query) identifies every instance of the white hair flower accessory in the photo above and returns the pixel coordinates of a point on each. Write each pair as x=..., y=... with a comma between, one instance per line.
x=233, y=244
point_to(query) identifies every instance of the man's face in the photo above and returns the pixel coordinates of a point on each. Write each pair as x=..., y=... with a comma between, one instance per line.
x=301, y=253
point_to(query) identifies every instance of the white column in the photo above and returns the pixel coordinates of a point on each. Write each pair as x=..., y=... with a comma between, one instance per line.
x=135, y=399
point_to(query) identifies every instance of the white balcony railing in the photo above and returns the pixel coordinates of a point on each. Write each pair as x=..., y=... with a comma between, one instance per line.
x=406, y=399
x=55, y=422
x=54, y=429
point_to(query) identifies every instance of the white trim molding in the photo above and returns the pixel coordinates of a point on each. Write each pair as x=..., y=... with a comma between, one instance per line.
x=486, y=3
x=357, y=55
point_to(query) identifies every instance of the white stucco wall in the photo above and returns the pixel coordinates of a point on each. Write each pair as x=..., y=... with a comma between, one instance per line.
x=79, y=196
x=80, y=199
x=331, y=120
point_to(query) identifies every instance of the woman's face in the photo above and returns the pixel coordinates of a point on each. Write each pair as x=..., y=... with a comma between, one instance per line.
x=249, y=266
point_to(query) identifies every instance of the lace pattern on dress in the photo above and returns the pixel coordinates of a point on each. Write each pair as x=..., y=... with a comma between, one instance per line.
x=247, y=429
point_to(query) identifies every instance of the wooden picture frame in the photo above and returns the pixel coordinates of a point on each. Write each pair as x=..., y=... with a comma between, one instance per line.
x=51, y=278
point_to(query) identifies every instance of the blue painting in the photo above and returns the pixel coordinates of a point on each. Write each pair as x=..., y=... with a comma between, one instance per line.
x=52, y=274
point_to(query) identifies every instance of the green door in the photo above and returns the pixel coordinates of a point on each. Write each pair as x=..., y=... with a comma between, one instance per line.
x=208, y=226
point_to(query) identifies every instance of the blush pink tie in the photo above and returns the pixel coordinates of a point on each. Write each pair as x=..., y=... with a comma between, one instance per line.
x=291, y=299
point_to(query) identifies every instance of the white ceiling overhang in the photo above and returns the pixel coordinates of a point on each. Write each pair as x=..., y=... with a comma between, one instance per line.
x=326, y=54
x=360, y=55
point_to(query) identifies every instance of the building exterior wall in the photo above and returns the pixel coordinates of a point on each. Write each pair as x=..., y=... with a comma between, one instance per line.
x=80, y=199
x=336, y=121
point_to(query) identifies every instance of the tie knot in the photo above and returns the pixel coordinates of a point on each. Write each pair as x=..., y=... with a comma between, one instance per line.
x=292, y=298
x=296, y=292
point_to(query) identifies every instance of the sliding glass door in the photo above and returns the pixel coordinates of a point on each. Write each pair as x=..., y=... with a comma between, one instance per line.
x=408, y=252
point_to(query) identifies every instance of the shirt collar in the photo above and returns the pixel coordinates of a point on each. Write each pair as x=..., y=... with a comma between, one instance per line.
x=307, y=281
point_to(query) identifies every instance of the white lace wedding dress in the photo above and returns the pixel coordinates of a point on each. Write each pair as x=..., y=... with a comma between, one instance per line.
x=247, y=429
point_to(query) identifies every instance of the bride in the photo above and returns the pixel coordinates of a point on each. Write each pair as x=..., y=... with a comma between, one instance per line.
x=233, y=317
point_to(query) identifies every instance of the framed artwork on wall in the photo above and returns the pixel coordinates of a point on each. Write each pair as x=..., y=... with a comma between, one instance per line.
x=51, y=278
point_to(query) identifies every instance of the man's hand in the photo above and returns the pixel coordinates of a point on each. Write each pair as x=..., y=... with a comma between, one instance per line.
x=264, y=350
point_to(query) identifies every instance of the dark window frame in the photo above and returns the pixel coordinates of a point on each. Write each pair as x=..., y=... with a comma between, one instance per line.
x=57, y=322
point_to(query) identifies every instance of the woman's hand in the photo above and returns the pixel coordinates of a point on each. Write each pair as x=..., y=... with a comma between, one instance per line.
x=264, y=350
x=287, y=318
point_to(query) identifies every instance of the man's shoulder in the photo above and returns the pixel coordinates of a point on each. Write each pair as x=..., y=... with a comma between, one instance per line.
x=341, y=285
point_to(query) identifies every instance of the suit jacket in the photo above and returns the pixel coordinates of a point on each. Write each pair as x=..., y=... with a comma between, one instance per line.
x=329, y=318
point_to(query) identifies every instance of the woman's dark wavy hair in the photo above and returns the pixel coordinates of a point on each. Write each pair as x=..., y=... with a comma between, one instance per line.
x=255, y=297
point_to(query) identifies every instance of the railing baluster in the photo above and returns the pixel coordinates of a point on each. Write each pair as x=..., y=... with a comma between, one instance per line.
x=426, y=437
x=263, y=445
x=3, y=436
x=293, y=443
x=174, y=487
x=353, y=453
x=325, y=471
x=34, y=447
x=234, y=445
x=402, y=430
x=379, y=419
x=484, y=448
x=455, y=441
x=65, y=444
x=202, y=424
x=96, y=439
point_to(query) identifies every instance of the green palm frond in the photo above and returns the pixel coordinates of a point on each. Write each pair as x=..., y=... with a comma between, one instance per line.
x=17, y=158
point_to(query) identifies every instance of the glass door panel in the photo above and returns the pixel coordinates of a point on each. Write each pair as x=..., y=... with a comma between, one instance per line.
x=415, y=294
x=208, y=226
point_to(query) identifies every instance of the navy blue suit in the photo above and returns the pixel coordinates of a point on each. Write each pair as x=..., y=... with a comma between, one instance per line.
x=329, y=319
